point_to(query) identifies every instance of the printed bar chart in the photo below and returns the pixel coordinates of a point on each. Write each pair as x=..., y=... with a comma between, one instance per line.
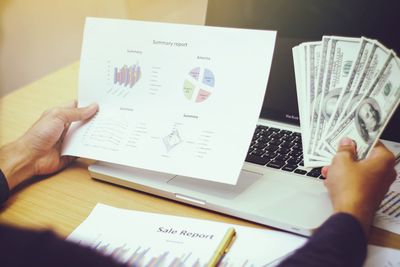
x=390, y=205
x=127, y=76
x=145, y=256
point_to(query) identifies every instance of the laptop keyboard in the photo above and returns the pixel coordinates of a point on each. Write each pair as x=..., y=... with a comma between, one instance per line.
x=279, y=149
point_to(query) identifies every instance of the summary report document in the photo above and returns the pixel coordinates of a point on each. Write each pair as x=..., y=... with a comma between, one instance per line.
x=173, y=98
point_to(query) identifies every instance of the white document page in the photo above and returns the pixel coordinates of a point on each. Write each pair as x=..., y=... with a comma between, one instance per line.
x=381, y=256
x=394, y=147
x=140, y=238
x=387, y=216
x=179, y=99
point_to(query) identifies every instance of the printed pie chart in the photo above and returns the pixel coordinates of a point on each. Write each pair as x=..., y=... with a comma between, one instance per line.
x=199, y=84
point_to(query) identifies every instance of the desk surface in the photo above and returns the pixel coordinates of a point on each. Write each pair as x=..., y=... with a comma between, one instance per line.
x=61, y=202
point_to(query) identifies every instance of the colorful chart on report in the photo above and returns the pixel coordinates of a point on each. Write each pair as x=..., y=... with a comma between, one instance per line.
x=199, y=84
x=127, y=75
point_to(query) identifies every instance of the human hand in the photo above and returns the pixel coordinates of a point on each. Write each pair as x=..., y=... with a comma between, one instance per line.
x=358, y=187
x=38, y=151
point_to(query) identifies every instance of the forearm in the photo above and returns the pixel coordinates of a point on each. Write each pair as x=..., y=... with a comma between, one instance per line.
x=364, y=214
x=16, y=163
x=340, y=241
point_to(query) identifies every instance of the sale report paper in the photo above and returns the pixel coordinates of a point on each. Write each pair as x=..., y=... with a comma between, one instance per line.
x=178, y=99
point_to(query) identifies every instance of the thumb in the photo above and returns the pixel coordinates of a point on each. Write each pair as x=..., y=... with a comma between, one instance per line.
x=347, y=146
x=77, y=114
x=70, y=104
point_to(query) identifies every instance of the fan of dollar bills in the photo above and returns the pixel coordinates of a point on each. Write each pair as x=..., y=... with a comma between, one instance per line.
x=346, y=87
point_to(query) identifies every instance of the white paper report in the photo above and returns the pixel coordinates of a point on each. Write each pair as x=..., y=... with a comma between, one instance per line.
x=179, y=99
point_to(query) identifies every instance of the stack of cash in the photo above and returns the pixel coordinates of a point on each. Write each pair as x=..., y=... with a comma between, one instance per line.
x=346, y=87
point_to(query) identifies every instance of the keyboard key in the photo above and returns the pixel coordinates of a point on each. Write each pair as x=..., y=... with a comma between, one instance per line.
x=288, y=138
x=289, y=167
x=273, y=129
x=281, y=157
x=293, y=161
x=270, y=154
x=277, y=135
x=258, y=152
x=259, y=145
x=256, y=135
x=313, y=174
x=286, y=132
x=296, y=134
x=275, y=142
x=299, y=171
x=316, y=170
x=298, y=141
x=257, y=159
x=266, y=134
x=276, y=164
x=287, y=144
x=257, y=131
x=295, y=154
x=271, y=148
x=264, y=139
x=297, y=146
x=262, y=127
x=283, y=150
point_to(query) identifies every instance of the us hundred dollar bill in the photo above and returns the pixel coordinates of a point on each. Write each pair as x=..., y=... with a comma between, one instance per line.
x=342, y=52
x=312, y=53
x=314, y=60
x=306, y=57
x=315, y=98
x=376, y=61
x=300, y=69
x=360, y=64
x=366, y=121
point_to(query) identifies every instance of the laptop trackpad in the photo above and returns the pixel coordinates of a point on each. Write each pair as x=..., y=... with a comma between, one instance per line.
x=226, y=191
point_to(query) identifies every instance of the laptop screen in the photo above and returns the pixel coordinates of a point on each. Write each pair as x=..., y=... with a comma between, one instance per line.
x=301, y=21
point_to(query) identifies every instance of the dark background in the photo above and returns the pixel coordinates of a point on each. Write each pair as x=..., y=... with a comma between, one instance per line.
x=308, y=20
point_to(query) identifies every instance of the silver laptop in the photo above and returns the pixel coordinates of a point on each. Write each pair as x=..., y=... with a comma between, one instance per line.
x=274, y=188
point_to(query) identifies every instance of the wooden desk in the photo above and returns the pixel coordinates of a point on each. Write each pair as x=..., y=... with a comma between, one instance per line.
x=63, y=201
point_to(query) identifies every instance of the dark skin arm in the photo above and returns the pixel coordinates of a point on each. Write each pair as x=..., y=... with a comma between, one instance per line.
x=358, y=187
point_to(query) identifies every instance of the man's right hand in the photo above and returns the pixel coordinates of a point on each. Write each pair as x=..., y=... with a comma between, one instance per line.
x=358, y=187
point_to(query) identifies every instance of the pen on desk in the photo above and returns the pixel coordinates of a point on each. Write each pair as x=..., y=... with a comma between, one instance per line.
x=223, y=247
